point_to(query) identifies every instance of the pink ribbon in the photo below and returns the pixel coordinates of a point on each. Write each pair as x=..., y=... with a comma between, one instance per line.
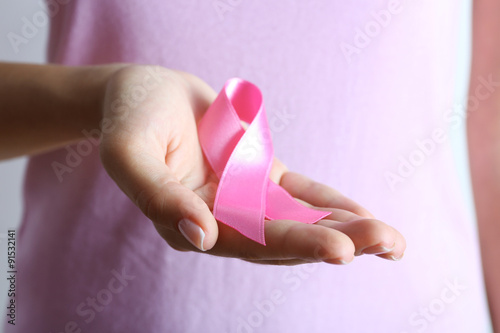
x=242, y=160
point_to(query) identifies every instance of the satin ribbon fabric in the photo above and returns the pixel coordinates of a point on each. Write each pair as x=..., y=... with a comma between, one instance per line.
x=242, y=160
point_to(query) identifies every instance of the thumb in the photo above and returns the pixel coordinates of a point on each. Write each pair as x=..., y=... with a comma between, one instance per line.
x=152, y=186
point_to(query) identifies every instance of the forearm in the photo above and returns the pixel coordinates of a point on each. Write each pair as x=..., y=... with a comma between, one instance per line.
x=46, y=106
x=483, y=127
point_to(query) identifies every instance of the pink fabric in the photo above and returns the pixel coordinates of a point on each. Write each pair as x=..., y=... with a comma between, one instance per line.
x=353, y=90
x=242, y=160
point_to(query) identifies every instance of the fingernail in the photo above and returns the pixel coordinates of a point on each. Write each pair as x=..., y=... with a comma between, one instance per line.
x=192, y=232
x=338, y=261
x=397, y=258
x=376, y=250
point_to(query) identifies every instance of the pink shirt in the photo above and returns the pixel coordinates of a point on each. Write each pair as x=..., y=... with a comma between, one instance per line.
x=358, y=95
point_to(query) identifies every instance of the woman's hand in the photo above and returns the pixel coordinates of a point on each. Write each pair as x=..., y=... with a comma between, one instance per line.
x=153, y=154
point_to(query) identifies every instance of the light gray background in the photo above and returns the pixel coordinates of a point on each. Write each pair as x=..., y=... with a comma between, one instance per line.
x=11, y=171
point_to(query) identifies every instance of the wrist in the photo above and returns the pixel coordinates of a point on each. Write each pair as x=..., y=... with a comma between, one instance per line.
x=86, y=91
x=44, y=107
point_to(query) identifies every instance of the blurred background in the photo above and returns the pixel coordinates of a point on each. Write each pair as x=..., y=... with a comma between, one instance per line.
x=12, y=171
x=12, y=16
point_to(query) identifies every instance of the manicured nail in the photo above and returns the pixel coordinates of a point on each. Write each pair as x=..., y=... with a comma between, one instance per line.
x=192, y=232
x=376, y=250
x=397, y=258
x=337, y=261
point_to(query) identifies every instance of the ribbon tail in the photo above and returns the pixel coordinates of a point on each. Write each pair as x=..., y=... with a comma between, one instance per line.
x=282, y=206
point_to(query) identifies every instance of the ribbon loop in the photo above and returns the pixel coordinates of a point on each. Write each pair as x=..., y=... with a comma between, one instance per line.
x=242, y=161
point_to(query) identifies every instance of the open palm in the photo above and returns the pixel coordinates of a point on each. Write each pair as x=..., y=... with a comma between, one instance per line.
x=153, y=154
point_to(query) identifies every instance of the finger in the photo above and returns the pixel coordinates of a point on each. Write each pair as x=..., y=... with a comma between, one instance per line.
x=398, y=252
x=208, y=191
x=151, y=185
x=369, y=236
x=289, y=262
x=285, y=240
x=319, y=195
x=278, y=169
x=337, y=214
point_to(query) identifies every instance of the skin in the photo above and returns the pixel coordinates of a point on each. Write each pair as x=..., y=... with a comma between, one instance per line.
x=483, y=129
x=150, y=169
x=150, y=149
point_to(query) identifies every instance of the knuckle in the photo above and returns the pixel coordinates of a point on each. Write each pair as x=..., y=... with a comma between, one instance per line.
x=247, y=254
x=333, y=245
x=149, y=203
x=377, y=231
x=154, y=204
